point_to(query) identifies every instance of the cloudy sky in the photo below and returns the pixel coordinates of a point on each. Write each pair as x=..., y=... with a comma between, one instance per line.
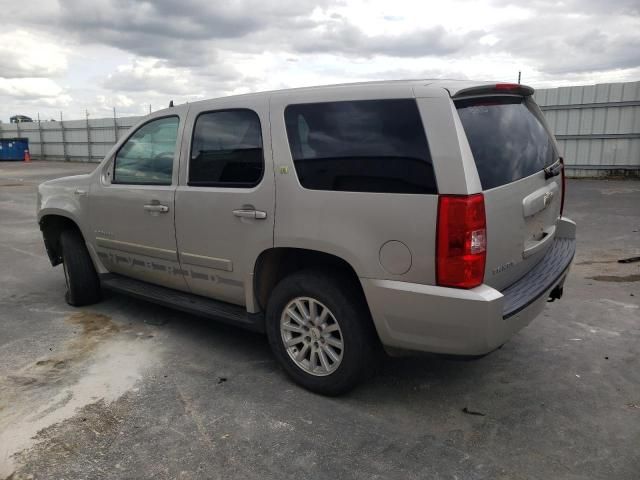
x=72, y=55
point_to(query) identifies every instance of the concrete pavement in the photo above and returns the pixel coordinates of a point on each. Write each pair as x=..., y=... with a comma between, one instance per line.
x=127, y=389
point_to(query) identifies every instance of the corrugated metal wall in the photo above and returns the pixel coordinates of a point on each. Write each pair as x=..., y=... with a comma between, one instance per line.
x=76, y=140
x=597, y=126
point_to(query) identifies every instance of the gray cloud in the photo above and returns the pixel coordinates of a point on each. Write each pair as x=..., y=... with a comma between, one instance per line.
x=185, y=33
x=157, y=76
x=187, y=19
x=187, y=48
x=560, y=44
x=144, y=81
x=190, y=33
x=342, y=37
x=588, y=7
x=10, y=67
x=24, y=56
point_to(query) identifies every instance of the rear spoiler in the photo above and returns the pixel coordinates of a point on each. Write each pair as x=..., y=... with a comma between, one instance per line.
x=495, y=88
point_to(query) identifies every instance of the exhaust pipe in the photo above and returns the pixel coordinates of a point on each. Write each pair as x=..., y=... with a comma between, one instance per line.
x=556, y=293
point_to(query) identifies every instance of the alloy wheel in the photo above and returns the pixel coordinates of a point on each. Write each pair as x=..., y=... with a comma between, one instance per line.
x=312, y=336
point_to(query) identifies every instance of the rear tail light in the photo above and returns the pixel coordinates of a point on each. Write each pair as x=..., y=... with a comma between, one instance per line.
x=461, y=241
x=564, y=187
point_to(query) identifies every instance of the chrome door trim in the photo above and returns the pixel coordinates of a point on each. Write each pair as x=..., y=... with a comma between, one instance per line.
x=204, y=261
x=136, y=248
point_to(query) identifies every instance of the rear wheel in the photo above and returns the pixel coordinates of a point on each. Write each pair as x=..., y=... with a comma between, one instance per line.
x=320, y=331
x=83, y=285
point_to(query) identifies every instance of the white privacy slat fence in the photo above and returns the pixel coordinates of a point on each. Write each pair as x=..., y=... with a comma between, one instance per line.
x=597, y=127
x=71, y=140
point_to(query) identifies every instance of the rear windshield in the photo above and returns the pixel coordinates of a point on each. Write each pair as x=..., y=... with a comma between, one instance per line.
x=507, y=139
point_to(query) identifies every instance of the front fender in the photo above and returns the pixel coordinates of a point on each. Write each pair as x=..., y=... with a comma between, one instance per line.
x=68, y=198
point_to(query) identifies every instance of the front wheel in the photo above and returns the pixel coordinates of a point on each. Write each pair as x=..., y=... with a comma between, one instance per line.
x=83, y=285
x=320, y=331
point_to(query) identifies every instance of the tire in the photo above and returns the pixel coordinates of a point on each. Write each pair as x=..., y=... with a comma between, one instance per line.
x=83, y=285
x=346, y=308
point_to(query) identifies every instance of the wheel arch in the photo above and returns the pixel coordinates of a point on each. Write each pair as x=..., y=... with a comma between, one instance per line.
x=52, y=225
x=276, y=263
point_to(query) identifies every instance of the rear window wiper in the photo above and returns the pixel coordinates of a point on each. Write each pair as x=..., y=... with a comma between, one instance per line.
x=553, y=170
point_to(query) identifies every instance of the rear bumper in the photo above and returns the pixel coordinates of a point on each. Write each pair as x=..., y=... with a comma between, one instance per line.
x=427, y=318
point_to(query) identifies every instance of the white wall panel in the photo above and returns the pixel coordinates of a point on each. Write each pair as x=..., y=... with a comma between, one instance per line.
x=597, y=126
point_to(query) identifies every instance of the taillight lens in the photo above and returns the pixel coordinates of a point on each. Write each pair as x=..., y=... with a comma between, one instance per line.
x=461, y=241
x=564, y=186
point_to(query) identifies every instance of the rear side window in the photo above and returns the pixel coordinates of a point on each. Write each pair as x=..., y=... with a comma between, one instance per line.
x=507, y=139
x=226, y=150
x=360, y=146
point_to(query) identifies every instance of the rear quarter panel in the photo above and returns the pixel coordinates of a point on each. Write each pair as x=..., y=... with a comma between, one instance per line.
x=351, y=225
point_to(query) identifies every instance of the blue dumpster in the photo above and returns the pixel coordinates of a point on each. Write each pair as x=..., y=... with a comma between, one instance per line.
x=13, y=148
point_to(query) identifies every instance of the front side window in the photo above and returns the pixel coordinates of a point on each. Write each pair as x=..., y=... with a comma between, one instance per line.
x=226, y=150
x=360, y=146
x=146, y=158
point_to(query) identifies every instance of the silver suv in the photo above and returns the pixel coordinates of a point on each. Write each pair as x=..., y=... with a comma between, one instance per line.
x=412, y=215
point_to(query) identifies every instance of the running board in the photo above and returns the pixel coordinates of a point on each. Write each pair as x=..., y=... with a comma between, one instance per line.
x=186, y=302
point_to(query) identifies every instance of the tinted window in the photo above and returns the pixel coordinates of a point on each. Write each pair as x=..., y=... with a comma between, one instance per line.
x=226, y=150
x=507, y=139
x=147, y=157
x=361, y=146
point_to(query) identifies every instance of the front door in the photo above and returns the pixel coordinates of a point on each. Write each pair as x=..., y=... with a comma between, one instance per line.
x=132, y=207
x=225, y=199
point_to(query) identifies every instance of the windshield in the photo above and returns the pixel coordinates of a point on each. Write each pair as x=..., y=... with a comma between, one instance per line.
x=507, y=139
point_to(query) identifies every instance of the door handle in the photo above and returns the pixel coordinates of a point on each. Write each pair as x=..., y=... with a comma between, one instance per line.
x=157, y=208
x=80, y=192
x=250, y=213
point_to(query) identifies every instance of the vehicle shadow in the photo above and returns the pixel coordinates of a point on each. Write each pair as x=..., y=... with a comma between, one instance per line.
x=214, y=349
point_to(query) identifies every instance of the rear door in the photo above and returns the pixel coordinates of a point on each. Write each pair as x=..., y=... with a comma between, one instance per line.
x=225, y=200
x=519, y=169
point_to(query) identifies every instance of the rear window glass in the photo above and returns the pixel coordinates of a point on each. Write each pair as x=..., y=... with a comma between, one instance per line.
x=360, y=146
x=226, y=150
x=507, y=139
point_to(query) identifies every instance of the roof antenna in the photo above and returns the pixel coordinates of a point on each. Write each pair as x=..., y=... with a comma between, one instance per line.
x=170, y=103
